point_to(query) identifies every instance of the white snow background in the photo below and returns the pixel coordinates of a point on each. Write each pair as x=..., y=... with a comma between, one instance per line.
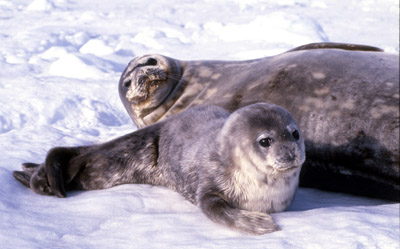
x=60, y=62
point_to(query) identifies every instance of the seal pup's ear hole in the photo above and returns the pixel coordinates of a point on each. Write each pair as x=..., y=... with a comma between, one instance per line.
x=151, y=62
x=265, y=142
x=296, y=135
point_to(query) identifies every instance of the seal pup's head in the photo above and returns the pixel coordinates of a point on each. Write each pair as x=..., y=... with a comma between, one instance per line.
x=263, y=140
x=146, y=83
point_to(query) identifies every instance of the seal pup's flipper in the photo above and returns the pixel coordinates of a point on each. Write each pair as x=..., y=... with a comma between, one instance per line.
x=34, y=177
x=219, y=211
x=57, y=168
x=49, y=178
x=24, y=176
x=30, y=167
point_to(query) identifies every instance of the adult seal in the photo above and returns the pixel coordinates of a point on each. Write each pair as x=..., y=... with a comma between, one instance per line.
x=344, y=96
x=236, y=167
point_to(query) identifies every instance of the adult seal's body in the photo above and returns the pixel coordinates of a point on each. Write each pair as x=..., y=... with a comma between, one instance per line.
x=237, y=168
x=345, y=98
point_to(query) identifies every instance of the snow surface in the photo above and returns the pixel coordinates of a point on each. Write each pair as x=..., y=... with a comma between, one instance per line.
x=60, y=64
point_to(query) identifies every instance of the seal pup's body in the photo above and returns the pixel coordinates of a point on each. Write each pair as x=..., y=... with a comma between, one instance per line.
x=345, y=98
x=237, y=168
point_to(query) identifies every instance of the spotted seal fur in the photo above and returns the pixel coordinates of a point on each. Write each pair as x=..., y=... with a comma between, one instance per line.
x=345, y=98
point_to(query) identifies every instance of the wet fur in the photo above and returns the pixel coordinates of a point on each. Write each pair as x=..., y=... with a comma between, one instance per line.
x=207, y=155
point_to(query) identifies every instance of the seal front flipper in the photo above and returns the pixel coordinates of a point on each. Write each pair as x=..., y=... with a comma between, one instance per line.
x=219, y=210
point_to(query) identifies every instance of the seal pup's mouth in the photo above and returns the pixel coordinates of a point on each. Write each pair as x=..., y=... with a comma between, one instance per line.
x=288, y=163
x=287, y=168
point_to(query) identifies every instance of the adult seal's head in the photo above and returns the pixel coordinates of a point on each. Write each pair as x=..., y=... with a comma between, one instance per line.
x=146, y=83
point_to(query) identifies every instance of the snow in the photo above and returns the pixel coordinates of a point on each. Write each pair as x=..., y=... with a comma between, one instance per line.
x=60, y=64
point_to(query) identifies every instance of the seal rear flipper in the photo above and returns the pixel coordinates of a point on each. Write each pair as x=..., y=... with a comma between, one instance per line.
x=34, y=177
x=57, y=162
x=23, y=177
x=336, y=45
x=38, y=182
x=30, y=167
x=218, y=210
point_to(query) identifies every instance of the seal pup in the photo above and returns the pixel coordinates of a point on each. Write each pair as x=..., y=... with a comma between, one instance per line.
x=237, y=168
x=345, y=98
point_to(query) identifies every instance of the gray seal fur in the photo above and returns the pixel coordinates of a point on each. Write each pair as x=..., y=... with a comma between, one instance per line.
x=345, y=98
x=236, y=167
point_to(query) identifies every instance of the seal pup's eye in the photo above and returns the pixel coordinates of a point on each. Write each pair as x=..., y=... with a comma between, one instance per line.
x=265, y=142
x=296, y=135
x=151, y=62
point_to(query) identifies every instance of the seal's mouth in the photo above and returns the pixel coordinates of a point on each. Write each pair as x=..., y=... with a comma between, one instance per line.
x=287, y=169
x=146, y=85
x=289, y=161
x=285, y=165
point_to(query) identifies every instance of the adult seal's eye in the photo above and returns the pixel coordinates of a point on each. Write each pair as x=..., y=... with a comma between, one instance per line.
x=265, y=142
x=127, y=83
x=151, y=62
x=296, y=135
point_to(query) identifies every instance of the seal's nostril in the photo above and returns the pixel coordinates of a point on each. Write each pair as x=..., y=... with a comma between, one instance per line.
x=127, y=83
x=296, y=135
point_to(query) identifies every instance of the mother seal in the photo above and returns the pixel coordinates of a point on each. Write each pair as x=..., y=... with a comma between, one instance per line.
x=237, y=168
x=345, y=98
